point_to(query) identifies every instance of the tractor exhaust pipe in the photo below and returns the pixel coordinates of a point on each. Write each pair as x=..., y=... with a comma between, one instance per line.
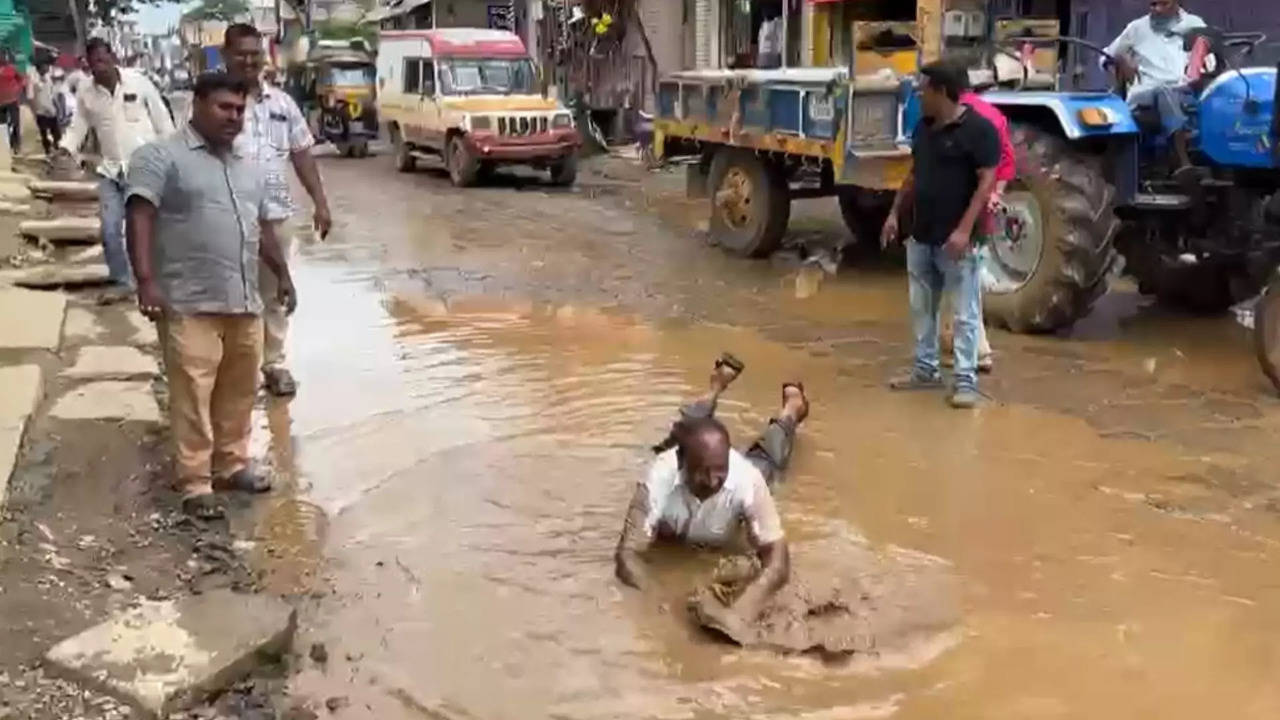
x=1275, y=119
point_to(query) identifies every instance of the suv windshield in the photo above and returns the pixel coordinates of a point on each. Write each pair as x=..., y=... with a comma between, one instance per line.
x=498, y=76
x=351, y=75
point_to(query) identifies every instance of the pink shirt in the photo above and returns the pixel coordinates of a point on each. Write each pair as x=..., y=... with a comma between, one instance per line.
x=1007, y=169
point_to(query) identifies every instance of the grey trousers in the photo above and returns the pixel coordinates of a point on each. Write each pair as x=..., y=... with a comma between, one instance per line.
x=770, y=453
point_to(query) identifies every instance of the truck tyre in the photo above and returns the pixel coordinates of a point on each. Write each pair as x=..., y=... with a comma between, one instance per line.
x=1053, y=254
x=750, y=203
x=864, y=212
x=564, y=172
x=464, y=169
x=405, y=161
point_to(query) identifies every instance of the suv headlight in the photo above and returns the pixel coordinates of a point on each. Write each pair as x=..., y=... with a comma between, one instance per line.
x=479, y=122
x=561, y=121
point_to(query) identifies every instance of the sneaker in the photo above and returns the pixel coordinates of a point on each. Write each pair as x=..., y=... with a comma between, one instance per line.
x=916, y=380
x=964, y=399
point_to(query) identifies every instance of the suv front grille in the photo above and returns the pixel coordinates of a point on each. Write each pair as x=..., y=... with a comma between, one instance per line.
x=522, y=125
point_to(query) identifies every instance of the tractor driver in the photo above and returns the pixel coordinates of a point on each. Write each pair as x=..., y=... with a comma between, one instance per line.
x=1151, y=59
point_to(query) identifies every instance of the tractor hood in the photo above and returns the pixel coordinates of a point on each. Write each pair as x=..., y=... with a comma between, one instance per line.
x=501, y=103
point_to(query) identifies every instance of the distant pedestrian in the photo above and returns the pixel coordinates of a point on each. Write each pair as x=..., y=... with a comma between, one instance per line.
x=12, y=93
x=125, y=111
x=45, y=99
x=200, y=220
x=275, y=130
x=769, y=40
x=955, y=152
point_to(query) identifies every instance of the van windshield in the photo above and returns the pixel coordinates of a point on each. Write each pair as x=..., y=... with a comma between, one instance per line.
x=488, y=76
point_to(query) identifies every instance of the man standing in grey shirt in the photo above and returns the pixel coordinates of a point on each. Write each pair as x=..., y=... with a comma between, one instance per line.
x=199, y=220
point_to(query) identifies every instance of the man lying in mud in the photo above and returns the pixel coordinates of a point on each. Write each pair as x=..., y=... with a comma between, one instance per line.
x=701, y=491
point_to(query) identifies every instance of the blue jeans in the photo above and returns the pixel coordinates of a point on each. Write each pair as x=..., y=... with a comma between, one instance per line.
x=111, y=197
x=932, y=272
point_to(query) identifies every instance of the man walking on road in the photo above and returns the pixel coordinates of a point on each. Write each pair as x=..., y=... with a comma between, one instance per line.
x=45, y=98
x=201, y=218
x=955, y=153
x=12, y=93
x=125, y=112
x=274, y=130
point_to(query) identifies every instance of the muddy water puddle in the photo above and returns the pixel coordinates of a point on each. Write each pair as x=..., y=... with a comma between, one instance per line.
x=467, y=459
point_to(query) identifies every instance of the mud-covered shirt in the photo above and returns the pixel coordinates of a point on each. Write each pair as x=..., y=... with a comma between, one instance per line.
x=947, y=160
x=744, y=499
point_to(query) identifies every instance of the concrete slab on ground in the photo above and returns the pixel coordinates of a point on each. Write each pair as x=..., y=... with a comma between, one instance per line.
x=23, y=388
x=108, y=400
x=56, y=276
x=64, y=229
x=163, y=656
x=31, y=319
x=89, y=326
x=111, y=361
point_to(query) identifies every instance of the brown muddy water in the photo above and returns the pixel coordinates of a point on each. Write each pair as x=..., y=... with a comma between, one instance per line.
x=468, y=433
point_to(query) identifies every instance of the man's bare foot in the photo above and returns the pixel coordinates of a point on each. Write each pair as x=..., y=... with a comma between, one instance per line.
x=795, y=405
x=726, y=370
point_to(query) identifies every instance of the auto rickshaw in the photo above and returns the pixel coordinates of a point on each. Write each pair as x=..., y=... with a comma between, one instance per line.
x=336, y=90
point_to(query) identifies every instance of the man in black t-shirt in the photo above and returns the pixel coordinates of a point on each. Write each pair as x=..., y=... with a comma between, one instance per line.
x=955, y=152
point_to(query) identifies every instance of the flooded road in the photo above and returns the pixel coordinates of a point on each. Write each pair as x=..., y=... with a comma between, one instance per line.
x=482, y=373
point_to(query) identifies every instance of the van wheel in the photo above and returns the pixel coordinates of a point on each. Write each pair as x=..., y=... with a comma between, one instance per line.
x=564, y=172
x=405, y=161
x=463, y=166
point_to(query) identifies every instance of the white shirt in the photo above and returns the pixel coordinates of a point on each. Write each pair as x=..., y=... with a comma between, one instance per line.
x=273, y=128
x=123, y=120
x=1161, y=57
x=769, y=39
x=42, y=91
x=744, y=498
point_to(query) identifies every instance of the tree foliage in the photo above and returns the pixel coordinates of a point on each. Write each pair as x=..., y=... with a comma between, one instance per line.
x=224, y=10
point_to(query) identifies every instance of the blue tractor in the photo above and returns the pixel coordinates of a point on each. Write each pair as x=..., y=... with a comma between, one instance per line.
x=1095, y=177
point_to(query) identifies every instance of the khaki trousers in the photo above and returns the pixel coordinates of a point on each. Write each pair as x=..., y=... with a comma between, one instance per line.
x=211, y=362
x=275, y=321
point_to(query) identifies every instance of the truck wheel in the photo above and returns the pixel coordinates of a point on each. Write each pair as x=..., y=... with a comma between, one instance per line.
x=563, y=173
x=1052, y=254
x=405, y=161
x=750, y=203
x=464, y=169
x=362, y=149
x=1266, y=331
x=864, y=213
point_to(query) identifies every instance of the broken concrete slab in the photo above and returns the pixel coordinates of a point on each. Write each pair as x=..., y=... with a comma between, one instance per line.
x=64, y=229
x=65, y=189
x=111, y=361
x=108, y=400
x=86, y=326
x=23, y=388
x=58, y=276
x=163, y=656
x=30, y=319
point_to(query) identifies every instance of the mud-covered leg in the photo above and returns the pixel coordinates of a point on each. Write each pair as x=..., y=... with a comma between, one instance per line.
x=727, y=368
x=771, y=452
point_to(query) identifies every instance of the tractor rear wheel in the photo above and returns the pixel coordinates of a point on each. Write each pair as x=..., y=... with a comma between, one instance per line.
x=1053, y=251
x=1266, y=331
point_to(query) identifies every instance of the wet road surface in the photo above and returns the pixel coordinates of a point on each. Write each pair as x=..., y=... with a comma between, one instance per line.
x=482, y=372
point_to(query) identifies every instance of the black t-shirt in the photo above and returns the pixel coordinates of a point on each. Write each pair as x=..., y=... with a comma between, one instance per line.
x=947, y=160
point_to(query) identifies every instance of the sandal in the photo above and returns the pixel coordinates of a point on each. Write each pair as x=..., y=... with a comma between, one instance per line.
x=731, y=362
x=203, y=507
x=804, y=409
x=243, y=480
x=279, y=382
